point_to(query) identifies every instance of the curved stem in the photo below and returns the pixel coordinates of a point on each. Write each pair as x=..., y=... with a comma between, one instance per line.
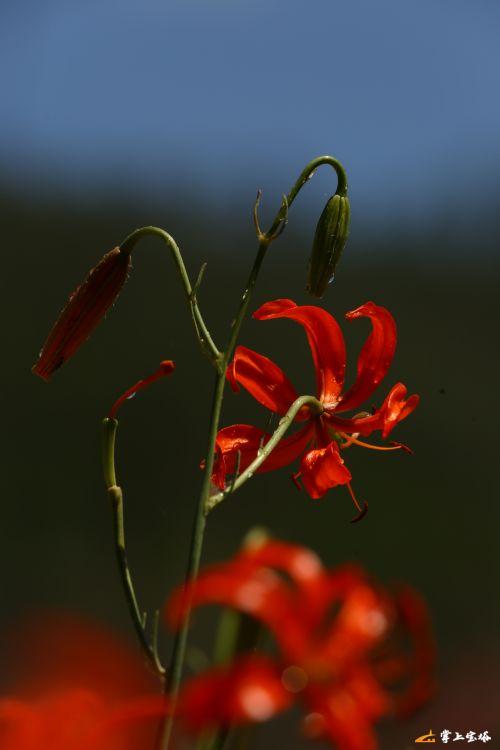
x=116, y=497
x=205, y=339
x=306, y=175
x=273, y=232
x=264, y=453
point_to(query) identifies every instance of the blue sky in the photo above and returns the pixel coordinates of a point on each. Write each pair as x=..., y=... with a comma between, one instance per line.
x=224, y=93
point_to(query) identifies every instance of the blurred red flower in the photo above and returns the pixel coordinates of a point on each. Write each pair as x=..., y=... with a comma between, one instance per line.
x=322, y=466
x=77, y=687
x=347, y=649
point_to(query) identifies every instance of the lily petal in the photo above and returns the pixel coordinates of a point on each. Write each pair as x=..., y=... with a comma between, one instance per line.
x=339, y=717
x=325, y=339
x=376, y=355
x=249, y=690
x=256, y=591
x=415, y=620
x=262, y=378
x=307, y=575
x=322, y=469
x=395, y=408
x=246, y=440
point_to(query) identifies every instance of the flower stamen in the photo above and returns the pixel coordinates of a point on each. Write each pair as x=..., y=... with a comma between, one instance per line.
x=351, y=440
x=362, y=511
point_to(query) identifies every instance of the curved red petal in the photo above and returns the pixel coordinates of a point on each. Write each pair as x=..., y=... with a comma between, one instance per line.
x=325, y=339
x=262, y=378
x=300, y=563
x=310, y=580
x=258, y=592
x=249, y=690
x=246, y=440
x=395, y=408
x=339, y=717
x=415, y=619
x=364, y=620
x=323, y=468
x=376, y=355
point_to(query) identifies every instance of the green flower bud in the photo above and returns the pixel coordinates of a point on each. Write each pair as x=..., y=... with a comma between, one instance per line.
x=329, y=240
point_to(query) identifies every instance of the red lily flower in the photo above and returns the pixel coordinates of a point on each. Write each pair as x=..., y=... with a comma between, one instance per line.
x=322, y=437
x=338, y=650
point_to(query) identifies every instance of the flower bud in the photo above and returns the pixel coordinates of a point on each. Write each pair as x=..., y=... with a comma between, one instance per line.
x=84, y=310
x=329, y=240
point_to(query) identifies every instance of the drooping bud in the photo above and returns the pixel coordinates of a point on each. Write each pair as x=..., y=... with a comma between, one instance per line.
x=329, y=241
x=166, y=368
x=84, y=310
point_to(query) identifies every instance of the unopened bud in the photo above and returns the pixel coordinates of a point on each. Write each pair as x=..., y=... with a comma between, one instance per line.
x=84, y=310
x=329, y=241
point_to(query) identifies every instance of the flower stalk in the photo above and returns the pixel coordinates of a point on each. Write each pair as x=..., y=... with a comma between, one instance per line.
x=116, y=497
x=203, y=335
x=222, y=359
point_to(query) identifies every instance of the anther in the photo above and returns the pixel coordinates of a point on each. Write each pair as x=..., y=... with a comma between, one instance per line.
x=362, y=511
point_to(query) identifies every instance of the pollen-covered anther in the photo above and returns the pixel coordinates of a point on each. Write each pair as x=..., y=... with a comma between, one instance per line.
x=362, y=510
x=402, y=446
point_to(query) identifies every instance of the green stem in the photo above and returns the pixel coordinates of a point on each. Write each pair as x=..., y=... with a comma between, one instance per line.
x=116, y=497
x=283, y=426
x=266, y=238
x=177, y=662
x=222, y=360
x=205, y=339
x=179, y=650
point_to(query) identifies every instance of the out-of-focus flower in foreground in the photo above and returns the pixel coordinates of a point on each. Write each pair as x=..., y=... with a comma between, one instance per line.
x=322, y=437
x=84, y=310
x=348, y=650
x=77, y=688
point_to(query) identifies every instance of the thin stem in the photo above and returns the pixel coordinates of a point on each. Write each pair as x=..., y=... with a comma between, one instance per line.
x=116, y=497
x=264, y=453
x=306, y=175
x=221, y=361
x=274, y=231
x=205, y=339
x=177, y=662
x=245, y=300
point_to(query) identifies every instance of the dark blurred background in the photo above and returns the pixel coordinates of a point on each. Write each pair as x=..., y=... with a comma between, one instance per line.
x=120, y=114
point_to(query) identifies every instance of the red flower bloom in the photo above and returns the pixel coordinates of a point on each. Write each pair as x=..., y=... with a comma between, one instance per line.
x=322, y=437
x=338, y=639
